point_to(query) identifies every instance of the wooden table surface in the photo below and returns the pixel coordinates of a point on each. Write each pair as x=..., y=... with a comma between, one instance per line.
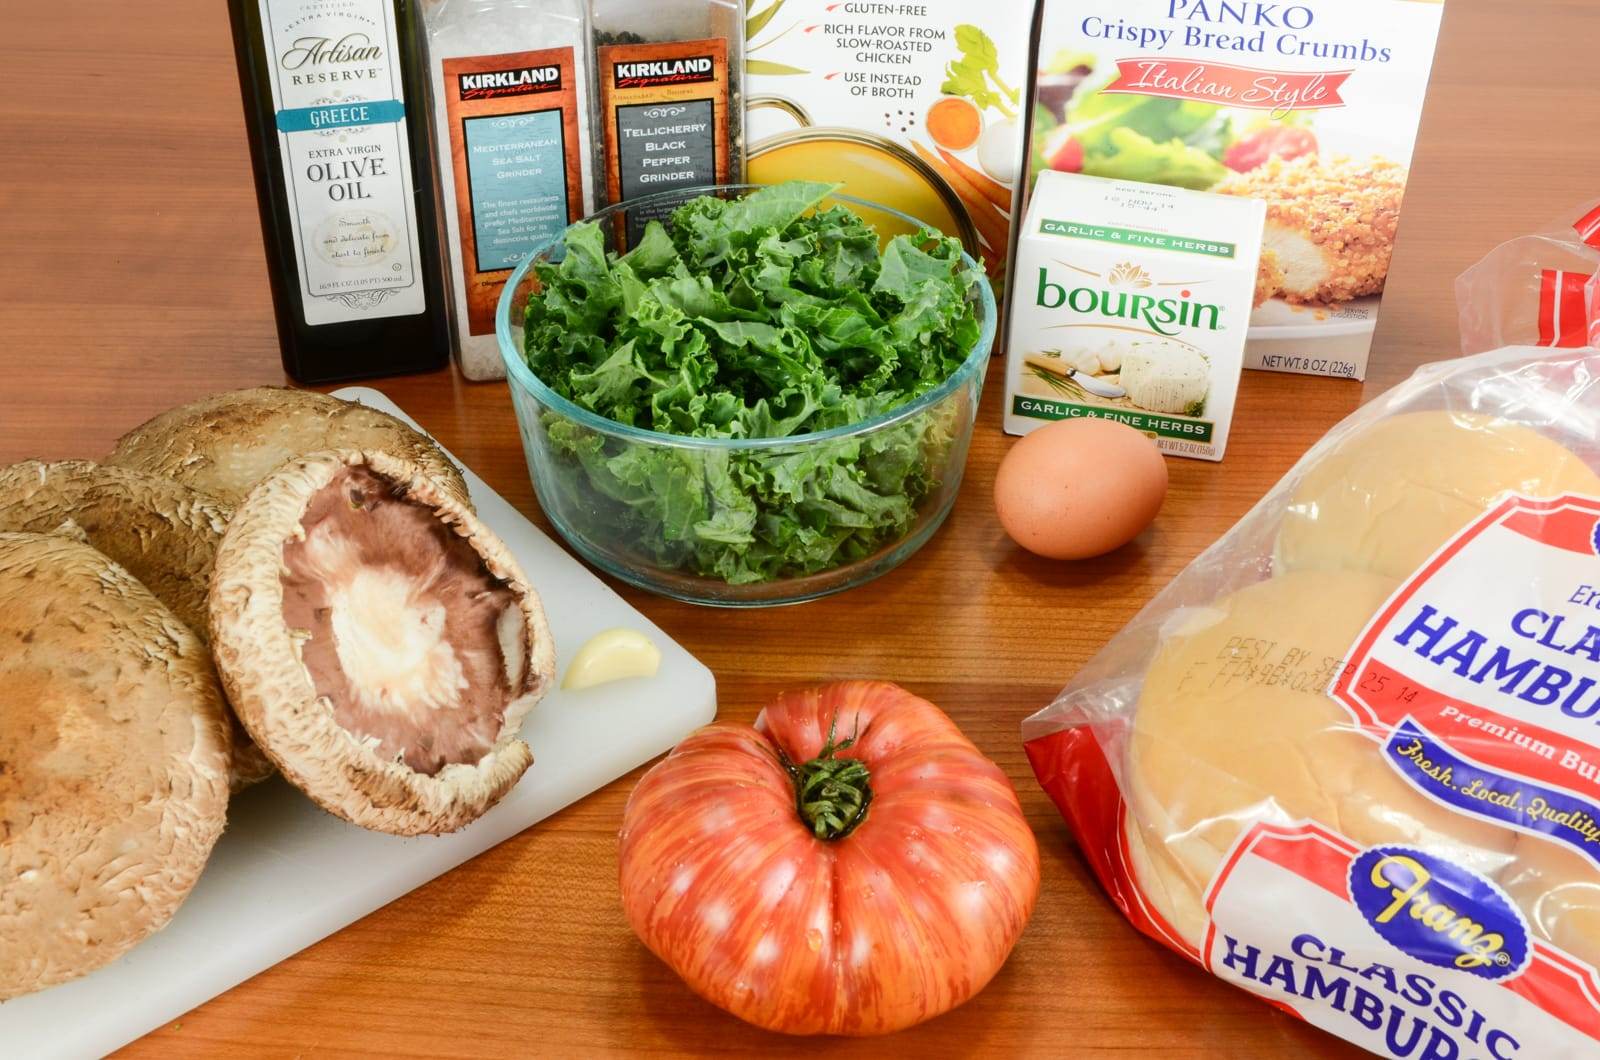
x=132, y=278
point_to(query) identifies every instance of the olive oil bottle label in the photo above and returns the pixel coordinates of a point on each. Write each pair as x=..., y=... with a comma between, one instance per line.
x=335, y=72
x=665, y=111
x=518, y=170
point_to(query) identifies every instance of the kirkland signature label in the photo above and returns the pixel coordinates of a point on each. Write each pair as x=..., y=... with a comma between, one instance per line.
x=661, y=146
x=518, y=173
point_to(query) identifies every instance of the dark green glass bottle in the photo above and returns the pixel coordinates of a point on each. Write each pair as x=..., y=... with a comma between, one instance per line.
x=335, y=103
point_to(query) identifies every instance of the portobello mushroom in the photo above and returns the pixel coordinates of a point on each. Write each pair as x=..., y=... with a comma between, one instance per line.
x=162, y=532
x=378, y=642
x=226, y=443
x=113, y=761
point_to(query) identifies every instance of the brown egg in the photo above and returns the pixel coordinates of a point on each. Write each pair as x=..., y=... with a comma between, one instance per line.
x=1079, y=488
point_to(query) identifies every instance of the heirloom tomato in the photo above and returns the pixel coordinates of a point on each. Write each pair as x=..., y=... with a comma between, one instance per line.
x=852, y=864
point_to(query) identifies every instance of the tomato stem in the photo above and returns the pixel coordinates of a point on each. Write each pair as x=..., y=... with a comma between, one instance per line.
x=831, y=794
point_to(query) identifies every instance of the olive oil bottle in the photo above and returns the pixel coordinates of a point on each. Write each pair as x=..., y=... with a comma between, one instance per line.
x=335, y=104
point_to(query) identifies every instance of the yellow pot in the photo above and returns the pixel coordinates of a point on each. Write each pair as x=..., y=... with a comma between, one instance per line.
x=869, y=166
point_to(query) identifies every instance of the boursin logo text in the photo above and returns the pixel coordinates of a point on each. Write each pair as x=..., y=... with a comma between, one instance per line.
x=1123, y=297
x=647, y=73
x=520, y=81
x=1438, y=912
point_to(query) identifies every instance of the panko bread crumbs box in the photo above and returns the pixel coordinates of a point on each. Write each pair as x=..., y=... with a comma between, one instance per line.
x=1311, y=107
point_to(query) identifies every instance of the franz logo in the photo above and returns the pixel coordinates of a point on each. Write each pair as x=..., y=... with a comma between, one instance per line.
x=518, y=81
x=1121, y=295
x=647, y=73
x=1438, y=912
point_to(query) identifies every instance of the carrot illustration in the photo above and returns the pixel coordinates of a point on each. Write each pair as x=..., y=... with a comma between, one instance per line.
x=992, y=225
x=991, y=189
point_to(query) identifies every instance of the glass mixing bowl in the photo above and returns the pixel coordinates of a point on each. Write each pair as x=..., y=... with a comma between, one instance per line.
x=658, y=530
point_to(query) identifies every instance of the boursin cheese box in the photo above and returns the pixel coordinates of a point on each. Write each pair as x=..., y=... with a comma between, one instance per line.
x=1132, y=302
x=1310, y=107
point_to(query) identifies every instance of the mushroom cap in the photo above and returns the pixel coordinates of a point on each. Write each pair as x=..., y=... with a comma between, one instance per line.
x=262, y=659
x=113, y=761
x=161, y=531
x=226, y=443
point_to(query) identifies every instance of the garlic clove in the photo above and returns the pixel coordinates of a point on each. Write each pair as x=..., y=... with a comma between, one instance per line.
x=613, y=655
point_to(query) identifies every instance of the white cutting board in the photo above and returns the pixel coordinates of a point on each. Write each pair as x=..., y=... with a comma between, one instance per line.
x=286, y=874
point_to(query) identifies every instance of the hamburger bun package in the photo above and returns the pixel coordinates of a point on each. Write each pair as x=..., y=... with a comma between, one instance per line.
x=1349, y=759
x=1540, y=289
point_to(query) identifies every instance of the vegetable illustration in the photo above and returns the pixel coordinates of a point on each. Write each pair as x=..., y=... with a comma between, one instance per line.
x=954, y=122
x=1063, y=152
x=852, y=864
x=1065, y=385
x=758, y=19
x=1125, y=136
x=997, y=152
x=1151, y=139
x=991, y=223
x=989, y=188
x=1270, y=141
x=753, y=25
x=1058, y=79
x=976, y=74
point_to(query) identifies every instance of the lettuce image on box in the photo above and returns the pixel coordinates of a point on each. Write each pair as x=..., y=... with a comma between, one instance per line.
x=1132, y=302
x=918, y=106
x=1310, y=107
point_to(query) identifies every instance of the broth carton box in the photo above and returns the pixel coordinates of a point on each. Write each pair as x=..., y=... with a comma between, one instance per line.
x=1310, y=106
x=920, y=105
x=1132, y=302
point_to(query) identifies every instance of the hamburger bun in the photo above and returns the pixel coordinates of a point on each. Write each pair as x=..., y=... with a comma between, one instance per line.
x=1388, y=497
x=1234, y=727
x=1558, y=890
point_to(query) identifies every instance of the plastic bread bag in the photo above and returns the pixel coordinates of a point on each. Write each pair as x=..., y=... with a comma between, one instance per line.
x=1349, y=759
x=1539, y=290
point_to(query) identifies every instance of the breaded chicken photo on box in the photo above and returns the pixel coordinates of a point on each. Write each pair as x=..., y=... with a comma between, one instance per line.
x=1330, y=226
